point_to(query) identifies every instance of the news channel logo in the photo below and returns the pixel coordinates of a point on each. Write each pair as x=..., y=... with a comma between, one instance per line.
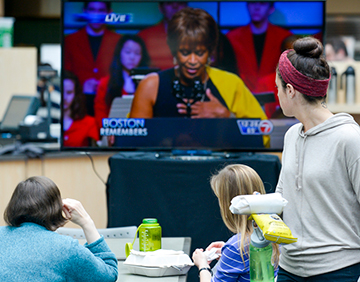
x=255, y=127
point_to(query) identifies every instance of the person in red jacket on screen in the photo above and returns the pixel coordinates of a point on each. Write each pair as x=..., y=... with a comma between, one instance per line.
x=257, y=48
x=88, y=52
x=80, y=129
x=155, y=36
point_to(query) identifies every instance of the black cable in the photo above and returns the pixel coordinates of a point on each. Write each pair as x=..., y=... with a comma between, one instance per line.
x=93, y=166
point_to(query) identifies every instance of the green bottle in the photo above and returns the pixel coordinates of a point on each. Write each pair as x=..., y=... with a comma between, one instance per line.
x=149, y=235
x=261, y=268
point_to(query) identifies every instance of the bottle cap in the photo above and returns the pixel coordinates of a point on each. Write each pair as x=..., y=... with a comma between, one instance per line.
x=257, y=239
x=150, y=220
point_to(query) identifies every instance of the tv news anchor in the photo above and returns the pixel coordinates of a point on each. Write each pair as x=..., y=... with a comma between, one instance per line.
x=192, y=37
x=31, y=250
x=320, y=173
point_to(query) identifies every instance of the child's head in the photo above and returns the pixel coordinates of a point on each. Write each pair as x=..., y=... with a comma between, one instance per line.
x=231, y=181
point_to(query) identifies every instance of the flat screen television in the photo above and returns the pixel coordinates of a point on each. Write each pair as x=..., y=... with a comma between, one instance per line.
x=119, y=132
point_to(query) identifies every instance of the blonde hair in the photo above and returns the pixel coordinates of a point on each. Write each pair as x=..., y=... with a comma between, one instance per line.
x=231, y=181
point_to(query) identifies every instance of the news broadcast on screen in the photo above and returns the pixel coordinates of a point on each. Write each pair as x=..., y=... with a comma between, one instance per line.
x=186, y=75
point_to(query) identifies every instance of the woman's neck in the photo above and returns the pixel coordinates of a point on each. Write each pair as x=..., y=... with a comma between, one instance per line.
x=188, y=82
x=313, y=115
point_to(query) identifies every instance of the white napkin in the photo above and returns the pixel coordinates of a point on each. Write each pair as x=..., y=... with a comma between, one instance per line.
x=267, y=203
x=211, y=254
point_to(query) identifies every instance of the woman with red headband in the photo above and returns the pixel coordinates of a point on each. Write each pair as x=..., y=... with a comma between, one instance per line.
x=320, y=176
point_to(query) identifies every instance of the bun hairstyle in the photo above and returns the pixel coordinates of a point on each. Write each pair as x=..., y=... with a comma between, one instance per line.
x=307, y=58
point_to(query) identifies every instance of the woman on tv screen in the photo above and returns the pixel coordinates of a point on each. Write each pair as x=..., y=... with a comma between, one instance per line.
x=192, y=88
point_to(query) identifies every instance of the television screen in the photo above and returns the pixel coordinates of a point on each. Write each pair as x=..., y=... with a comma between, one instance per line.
x=125, y=88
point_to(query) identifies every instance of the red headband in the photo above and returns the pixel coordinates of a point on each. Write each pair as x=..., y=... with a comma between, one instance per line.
x=302, y=83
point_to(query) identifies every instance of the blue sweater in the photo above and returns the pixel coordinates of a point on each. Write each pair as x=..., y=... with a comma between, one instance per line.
x=33, y=253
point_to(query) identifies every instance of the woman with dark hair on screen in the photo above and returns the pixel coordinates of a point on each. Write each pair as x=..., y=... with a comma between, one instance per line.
x=320, y=173
x=31, y=250
x=130, y=53
x=192, y=37
x=80, y=129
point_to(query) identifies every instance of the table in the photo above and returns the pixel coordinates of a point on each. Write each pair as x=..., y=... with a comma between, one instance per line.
x=117, y=245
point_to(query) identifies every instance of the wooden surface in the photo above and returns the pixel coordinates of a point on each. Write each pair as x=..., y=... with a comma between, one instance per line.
x=73, y=174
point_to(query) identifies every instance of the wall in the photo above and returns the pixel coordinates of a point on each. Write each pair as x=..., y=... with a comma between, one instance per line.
x=18, y=73
x=350, y=7
x=73, y=173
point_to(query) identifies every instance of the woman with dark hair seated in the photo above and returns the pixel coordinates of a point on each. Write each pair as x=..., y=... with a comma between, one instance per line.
x=30, y=250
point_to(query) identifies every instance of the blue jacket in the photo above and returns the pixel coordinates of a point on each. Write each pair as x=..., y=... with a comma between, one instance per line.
x=33, y=253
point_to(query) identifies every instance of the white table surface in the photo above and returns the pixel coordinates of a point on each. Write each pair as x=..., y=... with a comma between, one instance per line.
x=117, y=245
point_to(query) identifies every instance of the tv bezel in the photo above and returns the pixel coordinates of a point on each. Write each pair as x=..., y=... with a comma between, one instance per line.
x=185, y=150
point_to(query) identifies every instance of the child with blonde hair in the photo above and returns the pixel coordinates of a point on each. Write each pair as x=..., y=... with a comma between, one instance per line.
x=233, y=265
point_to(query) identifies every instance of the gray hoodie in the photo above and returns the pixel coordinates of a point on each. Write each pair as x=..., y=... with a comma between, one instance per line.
x=320, y=178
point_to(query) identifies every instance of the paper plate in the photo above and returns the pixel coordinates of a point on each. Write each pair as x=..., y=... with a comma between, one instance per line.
x=158, y=263
x=158, y=271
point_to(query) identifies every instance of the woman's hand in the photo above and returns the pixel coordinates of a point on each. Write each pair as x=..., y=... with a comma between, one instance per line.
x=75, y=212
x=206, y=109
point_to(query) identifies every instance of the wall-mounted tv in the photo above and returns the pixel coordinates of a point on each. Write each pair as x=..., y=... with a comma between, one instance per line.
x=109, y=47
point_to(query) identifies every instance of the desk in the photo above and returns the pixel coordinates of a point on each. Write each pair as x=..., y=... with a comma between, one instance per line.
x=177, y=192
x=117, y=246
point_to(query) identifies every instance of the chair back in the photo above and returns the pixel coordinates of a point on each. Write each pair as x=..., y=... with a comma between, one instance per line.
x=114, y=232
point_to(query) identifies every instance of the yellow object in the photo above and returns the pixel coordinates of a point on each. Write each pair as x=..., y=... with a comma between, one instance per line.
x=273, y=228
x=129, y=246
x=238, y=98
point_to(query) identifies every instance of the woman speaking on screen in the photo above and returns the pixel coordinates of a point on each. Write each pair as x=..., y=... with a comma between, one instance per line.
x=192, y=88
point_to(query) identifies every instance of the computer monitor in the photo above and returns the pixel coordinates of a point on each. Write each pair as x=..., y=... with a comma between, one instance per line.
x=18, y=108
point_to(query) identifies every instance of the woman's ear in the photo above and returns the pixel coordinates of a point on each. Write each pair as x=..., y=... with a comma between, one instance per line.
x=290, y=90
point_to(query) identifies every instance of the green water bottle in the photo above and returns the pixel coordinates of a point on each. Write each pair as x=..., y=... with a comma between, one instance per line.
x=261, y=268
x=149, y=235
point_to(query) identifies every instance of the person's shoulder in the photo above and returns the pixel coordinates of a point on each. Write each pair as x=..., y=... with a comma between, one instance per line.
x=111, y=34
x=151, y=79
x=152, y=29
x=293, y=130
x=64, y=246
x=216, y=74
x=233, y=240
x=104, y=80
x=88, y=120
x=215, y=71
x=238, y=31
x=75, y=35
x=279, y=30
